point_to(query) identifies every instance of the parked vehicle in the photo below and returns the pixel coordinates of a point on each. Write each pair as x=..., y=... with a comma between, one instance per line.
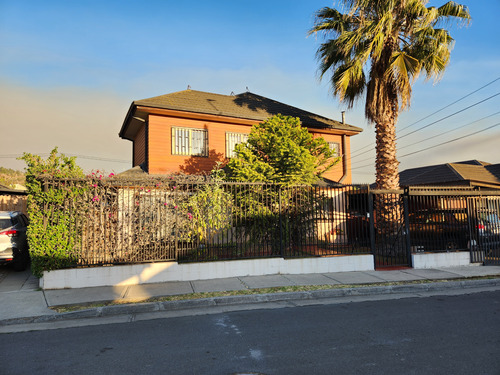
x=487, y=227
x=436, y=229
x=13, y=239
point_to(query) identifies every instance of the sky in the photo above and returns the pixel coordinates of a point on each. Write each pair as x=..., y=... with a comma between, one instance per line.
x=70, y=70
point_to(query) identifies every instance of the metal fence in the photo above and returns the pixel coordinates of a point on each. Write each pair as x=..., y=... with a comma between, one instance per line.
x=131, y=221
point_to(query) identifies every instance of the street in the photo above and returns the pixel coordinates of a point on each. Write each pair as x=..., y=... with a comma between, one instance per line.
x=433, y=335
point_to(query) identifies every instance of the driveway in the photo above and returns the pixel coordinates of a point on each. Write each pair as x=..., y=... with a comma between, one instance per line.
x=12, y=281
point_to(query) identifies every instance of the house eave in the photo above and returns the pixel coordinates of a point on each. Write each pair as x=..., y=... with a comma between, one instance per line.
x=138, y=114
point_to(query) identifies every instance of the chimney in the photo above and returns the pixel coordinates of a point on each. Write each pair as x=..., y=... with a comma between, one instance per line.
x=343, y=117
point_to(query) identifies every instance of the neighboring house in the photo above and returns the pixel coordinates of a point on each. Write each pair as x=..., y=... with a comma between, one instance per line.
x=471, y=173
x=190, y=130
x=13, y=199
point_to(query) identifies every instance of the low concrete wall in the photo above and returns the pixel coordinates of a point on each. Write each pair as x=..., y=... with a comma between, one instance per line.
x=172, y=271
x=435, y=260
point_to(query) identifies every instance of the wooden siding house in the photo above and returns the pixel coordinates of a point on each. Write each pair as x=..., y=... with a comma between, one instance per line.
x=189, y=131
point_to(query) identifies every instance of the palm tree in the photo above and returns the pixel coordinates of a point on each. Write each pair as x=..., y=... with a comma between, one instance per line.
x=394, y=41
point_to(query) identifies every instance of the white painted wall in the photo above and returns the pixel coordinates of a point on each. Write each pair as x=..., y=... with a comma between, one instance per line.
x=172, y=271
x=435, y=260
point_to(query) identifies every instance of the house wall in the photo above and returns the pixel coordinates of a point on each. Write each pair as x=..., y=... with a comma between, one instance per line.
x=10, y=202
x=337, y=172
x=161, y=160
x=140, y=146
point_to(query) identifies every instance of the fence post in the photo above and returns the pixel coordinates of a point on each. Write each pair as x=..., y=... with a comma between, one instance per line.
x=406, y=219
x=372, y=224
x=280, y=221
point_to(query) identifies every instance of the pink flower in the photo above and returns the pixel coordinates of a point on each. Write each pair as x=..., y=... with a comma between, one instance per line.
x=175, y=206
x=95, y=185
x=111, y=175
x=164, y=204
x=95, y=199
x=174, y=187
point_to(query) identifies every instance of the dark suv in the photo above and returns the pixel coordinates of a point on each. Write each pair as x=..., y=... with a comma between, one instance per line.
x=487, y=227
x=436, y=229
x=13, y=240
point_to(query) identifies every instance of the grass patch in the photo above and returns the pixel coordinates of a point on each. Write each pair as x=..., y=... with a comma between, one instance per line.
x=281, y=289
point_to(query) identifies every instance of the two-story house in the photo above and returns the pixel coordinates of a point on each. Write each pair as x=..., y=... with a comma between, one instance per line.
x=190, y=130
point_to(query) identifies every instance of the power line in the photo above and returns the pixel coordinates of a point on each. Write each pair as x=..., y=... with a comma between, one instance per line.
x=432, y=123
x=426, y=117
x=449, y=105
x=450, y=141
x=439, y=144
x=447, y=132
x=453, y=114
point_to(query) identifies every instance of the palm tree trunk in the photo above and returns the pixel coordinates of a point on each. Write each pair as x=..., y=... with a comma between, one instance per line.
x=386, y=165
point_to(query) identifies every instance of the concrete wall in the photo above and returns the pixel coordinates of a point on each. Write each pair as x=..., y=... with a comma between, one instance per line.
x=172, y=271
x=435, y=260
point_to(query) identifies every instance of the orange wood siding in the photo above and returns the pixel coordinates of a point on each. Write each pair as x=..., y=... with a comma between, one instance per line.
x=337, y=171
x=161, y=160
x=140, y=146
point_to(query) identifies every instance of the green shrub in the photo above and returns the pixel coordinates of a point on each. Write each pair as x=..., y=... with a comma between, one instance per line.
x=53, y=229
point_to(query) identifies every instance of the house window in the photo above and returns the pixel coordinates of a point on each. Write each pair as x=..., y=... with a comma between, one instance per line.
x=186, y=141
x=335, y=147
x=232, y=139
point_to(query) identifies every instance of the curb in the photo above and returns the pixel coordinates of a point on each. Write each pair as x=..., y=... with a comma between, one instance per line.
x=148, y=307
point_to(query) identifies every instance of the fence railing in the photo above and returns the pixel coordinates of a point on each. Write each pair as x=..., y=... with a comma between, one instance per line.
x=131, y=221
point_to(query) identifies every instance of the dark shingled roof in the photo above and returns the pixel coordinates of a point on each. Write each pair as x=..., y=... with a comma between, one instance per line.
x=246, y=106
x=471, y=172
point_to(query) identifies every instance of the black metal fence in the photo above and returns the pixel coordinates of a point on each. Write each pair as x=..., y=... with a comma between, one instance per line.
x=147, y=220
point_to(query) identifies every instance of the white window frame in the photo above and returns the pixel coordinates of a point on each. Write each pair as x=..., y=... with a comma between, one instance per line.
x=335, y=147
x=189, y=141
x=233, y=139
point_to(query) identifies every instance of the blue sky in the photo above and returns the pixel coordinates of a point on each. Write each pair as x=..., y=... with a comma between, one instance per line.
x=69, y=71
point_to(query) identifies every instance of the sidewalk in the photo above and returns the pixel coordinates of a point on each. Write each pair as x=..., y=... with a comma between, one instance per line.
x=21, y=301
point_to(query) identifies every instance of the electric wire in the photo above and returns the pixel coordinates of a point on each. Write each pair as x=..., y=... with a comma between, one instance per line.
x=432, y=123
x=439, y=144
x=426, y=117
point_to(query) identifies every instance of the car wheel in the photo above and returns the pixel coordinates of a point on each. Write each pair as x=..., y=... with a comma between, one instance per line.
x=21, y=261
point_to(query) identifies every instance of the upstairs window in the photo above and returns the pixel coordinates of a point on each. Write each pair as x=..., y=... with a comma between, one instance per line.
x=232, y=139
x=335, y=147
x=187, y=141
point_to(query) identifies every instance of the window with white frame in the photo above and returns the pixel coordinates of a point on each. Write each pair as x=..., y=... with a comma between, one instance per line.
x=187, y=141
x=335, y=147
x=232, y=139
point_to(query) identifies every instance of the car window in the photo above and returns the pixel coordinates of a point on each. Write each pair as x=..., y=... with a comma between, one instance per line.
x=5, y=223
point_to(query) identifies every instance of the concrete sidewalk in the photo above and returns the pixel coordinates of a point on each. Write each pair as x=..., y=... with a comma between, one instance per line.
x=21, y=301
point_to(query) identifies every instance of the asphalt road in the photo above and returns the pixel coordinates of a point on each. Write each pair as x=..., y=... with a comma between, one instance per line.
x=434, y=335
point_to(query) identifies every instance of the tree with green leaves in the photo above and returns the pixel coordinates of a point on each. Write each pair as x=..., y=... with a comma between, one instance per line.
x=280, y=150
x=52, y=236
x=393, y=41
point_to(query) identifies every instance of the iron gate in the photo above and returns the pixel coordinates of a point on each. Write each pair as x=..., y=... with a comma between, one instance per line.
x=388, y=228
x=484, y=223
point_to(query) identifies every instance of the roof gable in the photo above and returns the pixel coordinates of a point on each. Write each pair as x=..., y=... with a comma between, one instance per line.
x=459, y=172
x=243, y=106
